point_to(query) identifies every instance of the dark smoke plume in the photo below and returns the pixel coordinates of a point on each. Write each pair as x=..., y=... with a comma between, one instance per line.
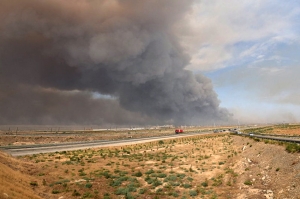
x=54, y=54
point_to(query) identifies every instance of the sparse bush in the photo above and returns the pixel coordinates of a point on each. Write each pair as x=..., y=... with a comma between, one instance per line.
x=175, y=194
x=88, y=185
x=156, y=182
x=193, y=193
x=87, y=195
x=204, y=184
x=248, y=182
x=181, y=175
x=75, y=193
x=121, y=191
x=190, y=179
x=175, y=184
x=161, y=175
x=138, y=174
x=150, y=171
x=106, y=196
x=33, y=183
x=149, y=180
x=266, y=141
x=292, y=148
x=142, y=191
x=218, y=180
x=171, y=178
x=55, y=191
x=187, y=186
x=159, y=190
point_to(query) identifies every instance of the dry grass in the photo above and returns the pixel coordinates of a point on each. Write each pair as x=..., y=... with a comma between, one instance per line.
x=207, y=166
x=164, y=169
x=15, y=184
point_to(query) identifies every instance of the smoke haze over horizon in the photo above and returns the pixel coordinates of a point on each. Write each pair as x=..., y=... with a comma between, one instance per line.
x=58, y=57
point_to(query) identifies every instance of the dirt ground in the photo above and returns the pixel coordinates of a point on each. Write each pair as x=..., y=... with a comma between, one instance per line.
x=208, y=166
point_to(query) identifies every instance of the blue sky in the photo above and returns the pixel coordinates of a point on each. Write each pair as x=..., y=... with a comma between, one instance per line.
x=251, y=52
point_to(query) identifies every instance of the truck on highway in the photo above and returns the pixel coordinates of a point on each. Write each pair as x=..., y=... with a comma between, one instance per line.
x=177, y=131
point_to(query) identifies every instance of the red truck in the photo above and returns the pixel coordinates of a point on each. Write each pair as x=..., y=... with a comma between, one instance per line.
x=178, y=131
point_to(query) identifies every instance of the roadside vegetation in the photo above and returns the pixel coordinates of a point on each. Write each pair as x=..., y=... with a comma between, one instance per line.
x=178, y=168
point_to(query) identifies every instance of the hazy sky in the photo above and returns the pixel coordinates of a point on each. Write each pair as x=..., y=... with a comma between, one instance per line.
x=251, y=51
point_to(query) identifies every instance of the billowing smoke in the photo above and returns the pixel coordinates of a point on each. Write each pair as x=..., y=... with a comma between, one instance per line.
x=54, y=54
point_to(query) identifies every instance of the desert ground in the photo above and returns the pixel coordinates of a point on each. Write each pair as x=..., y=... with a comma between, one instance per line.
x=219, y=166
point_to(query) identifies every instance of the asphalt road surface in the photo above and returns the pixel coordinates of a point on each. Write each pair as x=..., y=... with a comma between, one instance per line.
x=47, y=148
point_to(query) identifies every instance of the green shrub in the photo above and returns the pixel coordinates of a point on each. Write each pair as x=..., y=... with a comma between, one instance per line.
x=149, y=180
x=175, y=184
x=161, y=175
x=292, y=148
x=156, y=182
x=88, y=185
x=55, y=191
x=190, y=179
x=122, y=191
x=171, y=178
x=187, y=186
x=118, y=181
x=159, y=190
x=87, y=195
x=75, y=193
x=129, y=196
x=106, y=196
x=106, y=174
x=150, y=171
x=175, y=194
x=193, y=193
x=204, y=184
x=132, y=187
x=142, y=191
x=82, y=174
x=248, y=182
x=138, y=174
x=181, y=175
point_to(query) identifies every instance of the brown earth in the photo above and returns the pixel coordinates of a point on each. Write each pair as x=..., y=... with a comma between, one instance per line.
x=211, y=166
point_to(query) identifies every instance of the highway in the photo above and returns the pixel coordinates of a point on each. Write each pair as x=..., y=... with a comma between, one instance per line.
x=284, y=139
x=22, y=150
x=69, y=146
x=278, y=138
